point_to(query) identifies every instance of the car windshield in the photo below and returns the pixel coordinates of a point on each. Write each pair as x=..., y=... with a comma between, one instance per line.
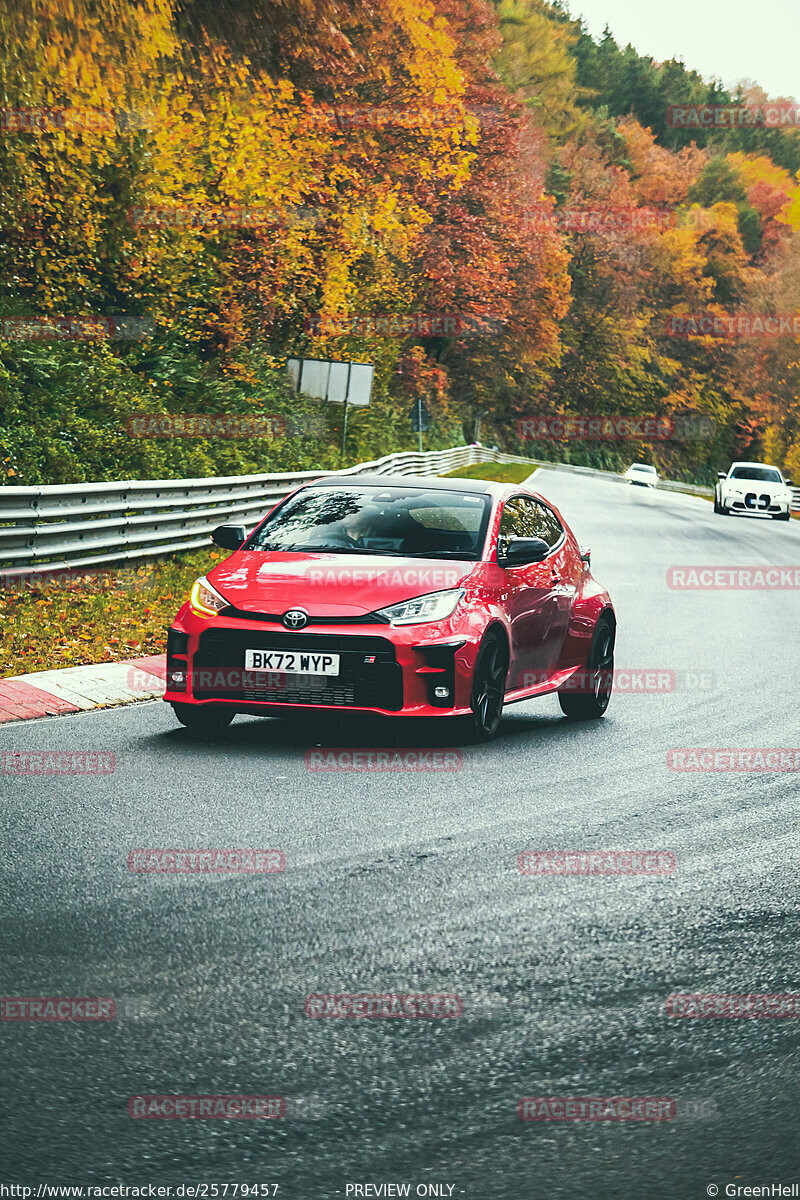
x=642, y=467
x=760, y=474
x=407, y=522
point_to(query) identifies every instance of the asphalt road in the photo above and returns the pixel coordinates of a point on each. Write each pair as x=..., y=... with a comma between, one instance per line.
x=408, y=883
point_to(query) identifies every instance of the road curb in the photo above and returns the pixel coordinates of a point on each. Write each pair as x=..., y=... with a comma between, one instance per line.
x=79, y=689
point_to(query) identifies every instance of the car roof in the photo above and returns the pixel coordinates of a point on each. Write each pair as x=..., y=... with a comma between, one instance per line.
x=437, y=483
x=743, y=463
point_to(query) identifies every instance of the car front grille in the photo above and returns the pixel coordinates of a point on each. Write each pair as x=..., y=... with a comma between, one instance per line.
x=242, y=614
x=369, y=674
x=754, y=503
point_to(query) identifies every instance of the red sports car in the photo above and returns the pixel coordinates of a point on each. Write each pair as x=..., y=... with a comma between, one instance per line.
x=399, y=596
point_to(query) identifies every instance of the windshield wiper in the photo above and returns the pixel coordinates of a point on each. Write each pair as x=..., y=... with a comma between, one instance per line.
x=270, y=547
x=459, y=554
x=342, y=550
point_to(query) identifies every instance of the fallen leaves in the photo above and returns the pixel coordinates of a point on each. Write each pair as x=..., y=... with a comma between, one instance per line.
x=98, y=618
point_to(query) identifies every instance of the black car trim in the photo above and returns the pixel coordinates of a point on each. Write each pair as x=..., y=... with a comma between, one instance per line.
x=277, y=618
x=369, y=677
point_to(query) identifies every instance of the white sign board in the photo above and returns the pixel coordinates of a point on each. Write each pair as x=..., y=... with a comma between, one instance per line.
x=361, y=375
x=337, y=382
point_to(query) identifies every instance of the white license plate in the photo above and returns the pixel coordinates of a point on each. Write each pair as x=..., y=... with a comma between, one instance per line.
x=293, y=662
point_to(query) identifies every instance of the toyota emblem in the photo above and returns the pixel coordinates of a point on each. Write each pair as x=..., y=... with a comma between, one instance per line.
x=295, y=618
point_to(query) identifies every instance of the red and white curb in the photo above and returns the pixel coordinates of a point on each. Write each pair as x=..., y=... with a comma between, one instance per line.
x=78, y=689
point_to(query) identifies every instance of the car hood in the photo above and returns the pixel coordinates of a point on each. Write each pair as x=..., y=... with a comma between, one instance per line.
x=760, y=487
x=330, y=584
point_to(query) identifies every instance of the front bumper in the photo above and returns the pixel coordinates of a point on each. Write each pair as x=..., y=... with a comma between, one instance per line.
x=756, y=502
x=391, y=670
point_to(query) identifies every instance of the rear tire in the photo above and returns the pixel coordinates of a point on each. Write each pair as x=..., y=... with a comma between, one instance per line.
x=488, y=688
x=591, y=704
x=209, y=720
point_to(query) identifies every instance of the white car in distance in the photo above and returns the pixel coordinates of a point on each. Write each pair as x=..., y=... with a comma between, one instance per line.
x=750, y=487
x=643, y=474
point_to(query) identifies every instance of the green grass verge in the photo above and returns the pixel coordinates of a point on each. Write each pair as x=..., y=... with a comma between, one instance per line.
x=122, y=613
x=501, y=472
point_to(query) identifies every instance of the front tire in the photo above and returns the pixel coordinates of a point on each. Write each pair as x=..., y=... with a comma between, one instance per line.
x=782, y=516
x=591, y=704
x=208, y=719
x=488, y=688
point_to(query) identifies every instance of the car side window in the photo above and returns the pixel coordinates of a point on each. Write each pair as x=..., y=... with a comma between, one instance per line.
x=523, y=517
x=545, y=523
x=511, y=521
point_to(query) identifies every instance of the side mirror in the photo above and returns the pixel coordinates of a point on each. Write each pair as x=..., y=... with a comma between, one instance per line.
x=586, y=555
x=789, y=483
x=520, y=551
x=722, y=474
x=229, y=537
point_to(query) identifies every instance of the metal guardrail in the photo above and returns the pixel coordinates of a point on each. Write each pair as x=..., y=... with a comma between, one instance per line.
x=62, y=526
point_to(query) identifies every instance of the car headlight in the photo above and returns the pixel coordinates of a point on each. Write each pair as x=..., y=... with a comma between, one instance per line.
x=203, y=600
x=433, y=607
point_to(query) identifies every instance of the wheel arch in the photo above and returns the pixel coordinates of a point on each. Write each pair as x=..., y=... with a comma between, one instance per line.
x=496, y=627
x=608, y=614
